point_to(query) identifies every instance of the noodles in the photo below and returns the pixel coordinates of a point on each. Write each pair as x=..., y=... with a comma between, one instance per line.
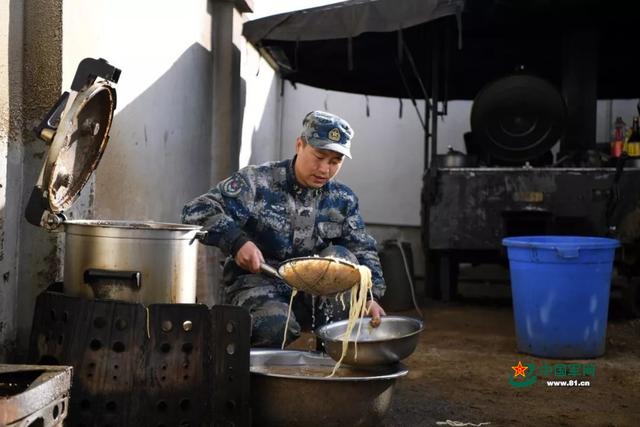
x=357, y=310
x=286, y=325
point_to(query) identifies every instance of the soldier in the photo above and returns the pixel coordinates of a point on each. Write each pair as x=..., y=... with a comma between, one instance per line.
x=281, y=210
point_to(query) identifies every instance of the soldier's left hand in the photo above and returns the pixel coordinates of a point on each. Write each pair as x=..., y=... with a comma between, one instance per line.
x=375, y=310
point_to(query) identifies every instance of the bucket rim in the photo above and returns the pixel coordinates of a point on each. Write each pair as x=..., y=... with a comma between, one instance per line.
x=555, y=241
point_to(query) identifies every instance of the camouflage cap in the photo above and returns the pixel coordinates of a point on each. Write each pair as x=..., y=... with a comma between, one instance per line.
x=327, y=132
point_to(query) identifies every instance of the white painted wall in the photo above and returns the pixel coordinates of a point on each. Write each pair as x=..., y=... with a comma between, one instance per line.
x=158, y=156
x=262, y=126
x=388, y=150
x=261, y=117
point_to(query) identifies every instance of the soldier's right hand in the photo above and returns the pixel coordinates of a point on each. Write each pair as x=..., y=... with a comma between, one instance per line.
x=249, y=257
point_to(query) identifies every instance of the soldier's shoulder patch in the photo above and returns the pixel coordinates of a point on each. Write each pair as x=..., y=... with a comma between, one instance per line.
x=355, y=222
x=233, y=186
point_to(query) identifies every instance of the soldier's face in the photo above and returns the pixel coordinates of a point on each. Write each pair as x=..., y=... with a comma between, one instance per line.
x=314, y=167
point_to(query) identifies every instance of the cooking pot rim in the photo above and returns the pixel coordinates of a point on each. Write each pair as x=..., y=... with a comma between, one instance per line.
x=133, y=225
x=324, y=332
x=264, y=357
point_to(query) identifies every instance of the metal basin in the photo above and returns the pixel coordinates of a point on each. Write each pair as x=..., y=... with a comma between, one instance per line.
x=395, y=339
x=291, y=388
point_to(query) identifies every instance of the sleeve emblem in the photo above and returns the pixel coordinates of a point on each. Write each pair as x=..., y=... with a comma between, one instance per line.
x=232, y=186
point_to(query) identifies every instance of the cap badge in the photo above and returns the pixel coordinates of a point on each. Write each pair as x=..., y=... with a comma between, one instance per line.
x=334, y=134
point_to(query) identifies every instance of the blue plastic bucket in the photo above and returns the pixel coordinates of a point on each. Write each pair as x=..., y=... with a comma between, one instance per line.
x=560, y=287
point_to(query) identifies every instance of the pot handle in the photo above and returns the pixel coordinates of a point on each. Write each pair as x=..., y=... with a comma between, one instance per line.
x=49, y=125
x=200, y=236
x=92, y=275
x=270, y=271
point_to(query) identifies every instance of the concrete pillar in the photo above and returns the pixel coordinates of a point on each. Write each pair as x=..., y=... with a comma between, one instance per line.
x=226, y=86
x=11, y=155
x=226, y=125
x=39, y=258
x=223, y=140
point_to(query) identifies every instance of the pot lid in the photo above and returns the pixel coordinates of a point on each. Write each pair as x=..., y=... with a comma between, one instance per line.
x=78, y=144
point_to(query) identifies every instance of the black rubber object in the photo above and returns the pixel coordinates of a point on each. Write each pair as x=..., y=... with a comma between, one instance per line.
x=518, y=117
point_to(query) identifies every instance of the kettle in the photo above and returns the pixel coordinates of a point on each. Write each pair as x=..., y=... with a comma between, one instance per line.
x=452, y=159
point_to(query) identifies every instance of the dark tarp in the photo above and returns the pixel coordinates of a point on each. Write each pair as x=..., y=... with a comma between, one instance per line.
x=380, y=47
x=349, y=19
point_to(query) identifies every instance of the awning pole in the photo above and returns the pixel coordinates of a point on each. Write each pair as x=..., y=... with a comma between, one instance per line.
x=435, y=92
x=425, y=129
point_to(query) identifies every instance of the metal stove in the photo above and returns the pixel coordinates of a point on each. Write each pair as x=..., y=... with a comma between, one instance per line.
x=33, y=396
x=136, y=362
x=160, y=365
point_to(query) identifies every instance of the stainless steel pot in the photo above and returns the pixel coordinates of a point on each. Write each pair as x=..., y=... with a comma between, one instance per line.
x=290, y=388
x=395, y=339
x=144, y=262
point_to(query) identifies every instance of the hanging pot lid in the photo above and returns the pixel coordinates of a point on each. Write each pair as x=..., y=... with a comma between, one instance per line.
x=78, y=144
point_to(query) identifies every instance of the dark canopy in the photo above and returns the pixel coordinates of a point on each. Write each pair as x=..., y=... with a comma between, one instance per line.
x=349, y=19
x=385, y=47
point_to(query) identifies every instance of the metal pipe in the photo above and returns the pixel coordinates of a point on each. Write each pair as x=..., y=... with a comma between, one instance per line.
x=427, y=135
x=435, y=91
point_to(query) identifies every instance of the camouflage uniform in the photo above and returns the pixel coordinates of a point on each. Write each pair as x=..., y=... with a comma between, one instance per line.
x=265, y=204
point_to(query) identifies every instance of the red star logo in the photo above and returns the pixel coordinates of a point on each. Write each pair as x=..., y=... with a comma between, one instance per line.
x=519, y=369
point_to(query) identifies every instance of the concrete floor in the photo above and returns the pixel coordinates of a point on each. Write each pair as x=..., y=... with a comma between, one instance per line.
x=460, y=372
